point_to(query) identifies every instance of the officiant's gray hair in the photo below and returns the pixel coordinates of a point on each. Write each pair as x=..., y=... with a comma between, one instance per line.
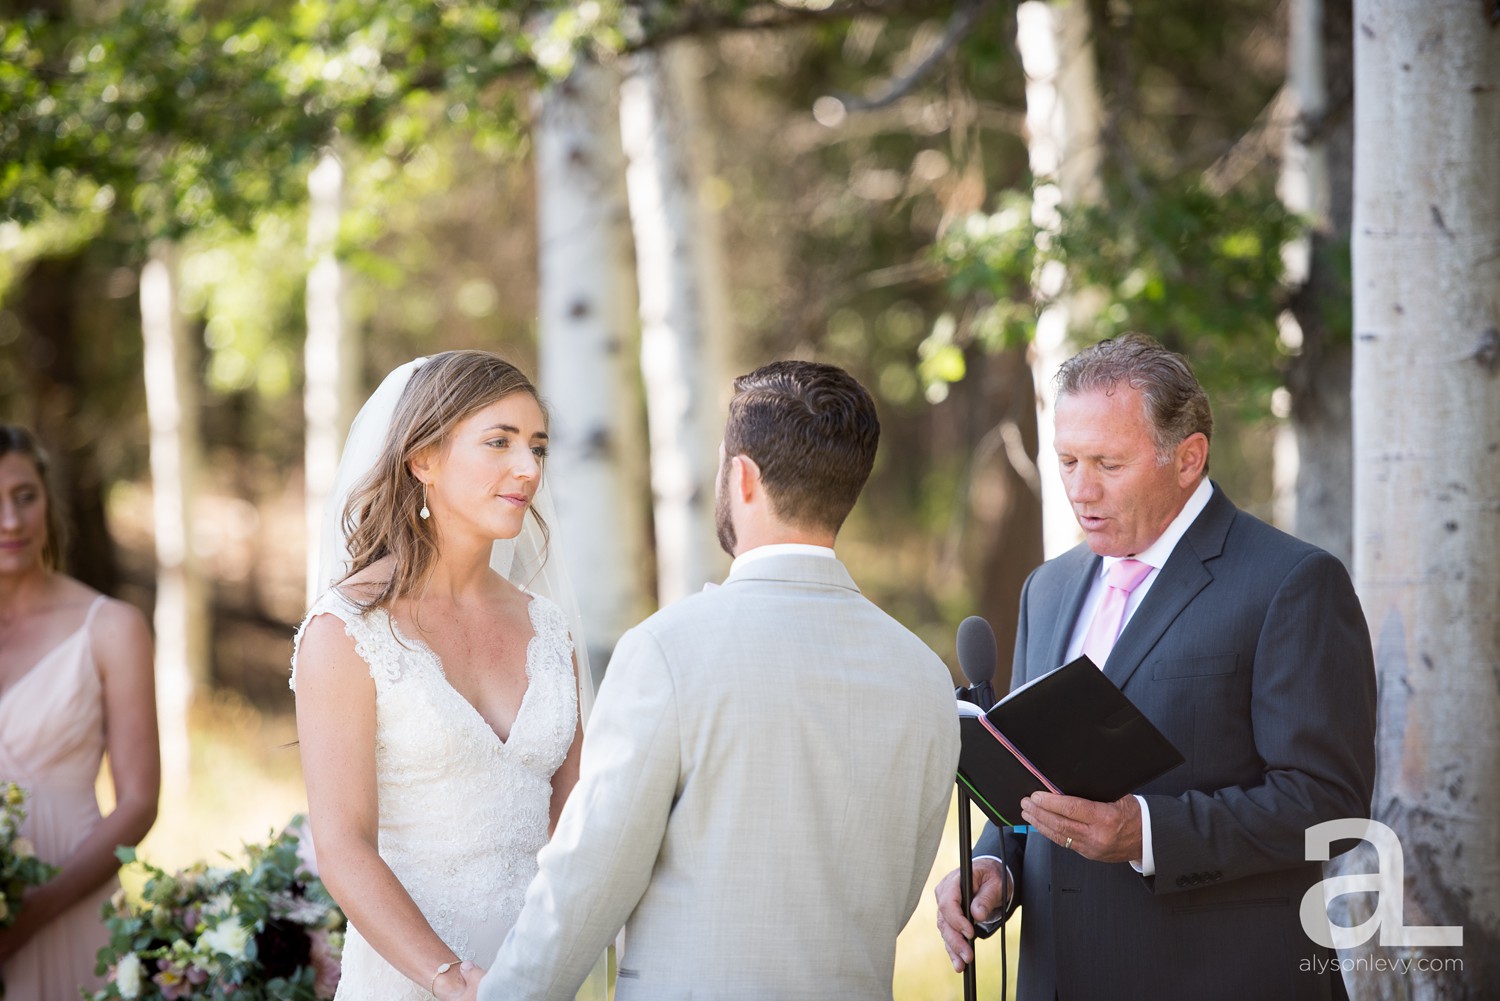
x=812, y=430
x=1176, y=404
x=382, y=517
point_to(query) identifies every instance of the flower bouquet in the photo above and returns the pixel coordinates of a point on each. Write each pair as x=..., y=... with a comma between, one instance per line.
x=20, y=869
x=267, y=931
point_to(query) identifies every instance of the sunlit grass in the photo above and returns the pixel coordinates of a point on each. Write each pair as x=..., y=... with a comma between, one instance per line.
x=247, y=782
x=923, y=972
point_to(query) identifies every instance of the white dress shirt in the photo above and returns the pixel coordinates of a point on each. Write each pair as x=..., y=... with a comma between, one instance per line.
x=778, y=549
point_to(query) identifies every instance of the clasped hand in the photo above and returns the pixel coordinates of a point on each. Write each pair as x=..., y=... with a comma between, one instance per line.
x=956, y=927
x=460, y=983
x=1104, y=832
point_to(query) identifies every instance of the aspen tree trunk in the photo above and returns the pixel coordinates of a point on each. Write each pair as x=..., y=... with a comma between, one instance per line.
x=585, y=343
x=682, y=331
x=182, y=598
x=1427, y=438
x=1063, y=117
x=1314, y=451
x=331, y=355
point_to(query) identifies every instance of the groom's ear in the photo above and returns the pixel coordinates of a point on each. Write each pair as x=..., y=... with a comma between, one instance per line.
x=744, y=477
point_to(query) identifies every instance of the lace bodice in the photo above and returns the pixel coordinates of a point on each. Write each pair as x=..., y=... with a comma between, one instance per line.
x=462, y=813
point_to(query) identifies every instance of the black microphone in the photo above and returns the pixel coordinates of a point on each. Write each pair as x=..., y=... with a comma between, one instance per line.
x=976, y=659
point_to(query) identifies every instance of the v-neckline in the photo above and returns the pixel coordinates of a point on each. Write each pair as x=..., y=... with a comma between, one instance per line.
x=81, y=630
x=437, y=662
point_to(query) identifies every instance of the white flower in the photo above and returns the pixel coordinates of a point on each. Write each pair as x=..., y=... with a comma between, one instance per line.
x=22, y=848
x=228, y=937
x=297, y=909
x=218, y=905
x=128, y=976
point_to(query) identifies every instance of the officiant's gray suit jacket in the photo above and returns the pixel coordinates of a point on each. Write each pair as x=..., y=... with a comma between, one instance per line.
x=765, y=780
x=1251, y=653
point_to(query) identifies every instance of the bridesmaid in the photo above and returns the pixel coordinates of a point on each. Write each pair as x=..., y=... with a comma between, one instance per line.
x=75, y=680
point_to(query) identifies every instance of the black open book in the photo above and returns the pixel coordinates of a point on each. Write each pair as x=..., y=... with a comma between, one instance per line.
x=1069, y=731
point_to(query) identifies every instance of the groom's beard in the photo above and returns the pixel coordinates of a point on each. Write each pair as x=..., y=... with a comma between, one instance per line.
x=722, y=522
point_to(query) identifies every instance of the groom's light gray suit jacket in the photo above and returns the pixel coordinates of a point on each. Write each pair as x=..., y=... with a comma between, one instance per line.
x=1251, y=653
x=765, y=780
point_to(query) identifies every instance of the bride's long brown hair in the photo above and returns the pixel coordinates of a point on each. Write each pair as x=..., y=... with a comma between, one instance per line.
x=381, y=518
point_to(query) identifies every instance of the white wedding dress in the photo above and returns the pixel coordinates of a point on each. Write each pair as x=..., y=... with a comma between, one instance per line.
x=462, y=813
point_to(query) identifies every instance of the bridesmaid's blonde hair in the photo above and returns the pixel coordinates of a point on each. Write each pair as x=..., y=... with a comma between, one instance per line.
x=381, y=518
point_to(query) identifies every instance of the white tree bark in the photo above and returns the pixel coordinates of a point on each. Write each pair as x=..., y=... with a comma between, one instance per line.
x=1427, y=436
x=683, y=319
x=182, y=605
x=1317, y=182
x=585, y=340
x=330, y=355
x=1063, y=119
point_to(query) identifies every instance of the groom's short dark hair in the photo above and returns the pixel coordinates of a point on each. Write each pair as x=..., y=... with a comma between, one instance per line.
x=812, y=430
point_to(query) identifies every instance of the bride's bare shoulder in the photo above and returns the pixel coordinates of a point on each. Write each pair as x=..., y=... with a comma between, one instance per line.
x=326, y=631
x=368, y=584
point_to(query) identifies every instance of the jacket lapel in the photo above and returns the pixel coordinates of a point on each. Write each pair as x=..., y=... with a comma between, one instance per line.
x=1184, y=576
x=1072, y=603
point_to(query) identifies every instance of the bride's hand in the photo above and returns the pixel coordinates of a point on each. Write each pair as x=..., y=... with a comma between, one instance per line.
x=464, y=987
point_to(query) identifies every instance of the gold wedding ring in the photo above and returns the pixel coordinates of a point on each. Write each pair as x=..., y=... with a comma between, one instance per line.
x=1068, y=843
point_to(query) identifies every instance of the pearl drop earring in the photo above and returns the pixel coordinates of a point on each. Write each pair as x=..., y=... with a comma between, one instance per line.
x=424, y=512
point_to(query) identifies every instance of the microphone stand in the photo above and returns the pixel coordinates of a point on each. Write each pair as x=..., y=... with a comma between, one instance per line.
x=966, y=887
x=981, y=694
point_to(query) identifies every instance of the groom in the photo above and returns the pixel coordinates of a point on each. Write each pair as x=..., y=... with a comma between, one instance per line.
x=767, y=772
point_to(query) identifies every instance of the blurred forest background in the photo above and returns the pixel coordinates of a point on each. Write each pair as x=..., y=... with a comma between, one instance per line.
x=226, y=220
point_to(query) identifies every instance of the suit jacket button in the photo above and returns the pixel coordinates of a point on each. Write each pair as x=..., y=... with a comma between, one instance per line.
x=1182, y=881
x=1215, y=876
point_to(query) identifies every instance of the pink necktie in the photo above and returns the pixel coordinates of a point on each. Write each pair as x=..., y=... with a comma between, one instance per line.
x=1124, y=577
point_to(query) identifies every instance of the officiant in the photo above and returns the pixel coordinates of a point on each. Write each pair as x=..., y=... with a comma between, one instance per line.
x=1247, y=648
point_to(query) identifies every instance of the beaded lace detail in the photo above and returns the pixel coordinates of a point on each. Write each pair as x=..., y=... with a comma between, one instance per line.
x=462, y=813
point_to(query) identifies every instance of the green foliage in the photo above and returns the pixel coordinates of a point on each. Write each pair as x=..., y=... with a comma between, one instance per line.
x=248, y=287
x=990, y=260
x=180, y=116
x=188, y=114
x=20, y=869
x=265, y=931
x=1201, y=272
x=51, y=156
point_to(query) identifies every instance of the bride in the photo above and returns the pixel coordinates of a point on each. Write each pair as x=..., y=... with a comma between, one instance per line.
x=438, y=693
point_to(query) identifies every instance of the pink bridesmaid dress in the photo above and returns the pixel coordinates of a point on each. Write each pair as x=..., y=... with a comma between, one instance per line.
x=51, y=743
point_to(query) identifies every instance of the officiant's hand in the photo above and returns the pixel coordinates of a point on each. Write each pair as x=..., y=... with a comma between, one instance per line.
x=956, y=928
x=1104, y=832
